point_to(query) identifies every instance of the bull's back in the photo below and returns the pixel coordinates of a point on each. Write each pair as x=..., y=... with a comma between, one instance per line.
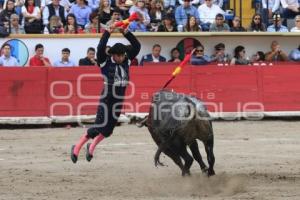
x=162, y=124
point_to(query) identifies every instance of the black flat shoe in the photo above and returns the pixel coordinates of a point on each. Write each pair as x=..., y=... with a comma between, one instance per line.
x=88, y=155
x=73, y=156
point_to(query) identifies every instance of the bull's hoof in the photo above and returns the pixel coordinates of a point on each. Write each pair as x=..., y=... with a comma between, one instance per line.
x=139, y=125
x=204, y=170
x=210, y=172
x=186, y=173
x=158, y=163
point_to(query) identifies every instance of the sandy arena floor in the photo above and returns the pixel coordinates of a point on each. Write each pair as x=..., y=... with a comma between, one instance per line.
x=254, y=160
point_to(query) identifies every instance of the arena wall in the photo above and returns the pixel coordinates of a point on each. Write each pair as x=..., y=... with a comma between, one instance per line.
x=47, y=92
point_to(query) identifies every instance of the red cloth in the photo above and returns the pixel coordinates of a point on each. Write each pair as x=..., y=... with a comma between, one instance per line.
x=37, y=62
x=30, y=9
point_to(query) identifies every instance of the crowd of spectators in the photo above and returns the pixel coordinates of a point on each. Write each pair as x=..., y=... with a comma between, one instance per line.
x=219, y=56
x=93, y=16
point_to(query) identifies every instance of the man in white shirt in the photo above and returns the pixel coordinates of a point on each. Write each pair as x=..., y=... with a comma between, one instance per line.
x=291, y=8
x=65, y=60
x=207, y=14
x=297, y=24
x=6, y=59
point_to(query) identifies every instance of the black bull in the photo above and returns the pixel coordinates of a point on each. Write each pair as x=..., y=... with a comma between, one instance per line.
x=175, y=121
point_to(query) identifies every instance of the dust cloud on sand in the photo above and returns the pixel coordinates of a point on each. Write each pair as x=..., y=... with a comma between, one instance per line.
x=254, y=160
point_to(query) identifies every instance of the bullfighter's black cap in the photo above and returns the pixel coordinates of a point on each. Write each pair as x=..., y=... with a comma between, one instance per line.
x=118, y=48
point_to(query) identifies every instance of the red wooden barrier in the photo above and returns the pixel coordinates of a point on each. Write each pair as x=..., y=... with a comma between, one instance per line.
x=75, y=91
x=23, y=91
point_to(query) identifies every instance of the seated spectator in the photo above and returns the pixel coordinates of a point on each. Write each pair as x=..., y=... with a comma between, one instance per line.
x=32, y=17
x=297, y=24
x=55, y=26
x=38, y=59
x=291, y=8
x=182, y=12
x=15, y=27
x=6, y=13
x=295, y=54
x=140, y=8
x=207, y=13
x=167, y=24
x=219, y=55
x=156, y=15
x=239, y=57
x=124, y=8
x=154, y=56
x=270, y=7
x=219, y=25
x=256, y=24
x=276, y=54
x=192, y=25
x=81, y=12
x=277, y=25
x=71, y=26
x=93, y=25
x=90, y=59
x=137, y=25
x=54, y=9
x=7, y=60
x=198, y=57
x=65, y=60
x=236, y=25
x=105, y=11
x=258, y=57
x=116, y=16
x=175, y=55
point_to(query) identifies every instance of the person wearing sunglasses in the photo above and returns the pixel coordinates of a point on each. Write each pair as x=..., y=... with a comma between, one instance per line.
x=269, y=7
x=277, y=25
x=256, y=24
x=239, y=57
x=297, y=24
x=198, y=57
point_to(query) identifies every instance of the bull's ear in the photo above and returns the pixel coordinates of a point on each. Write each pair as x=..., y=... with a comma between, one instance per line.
x=191, y=108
